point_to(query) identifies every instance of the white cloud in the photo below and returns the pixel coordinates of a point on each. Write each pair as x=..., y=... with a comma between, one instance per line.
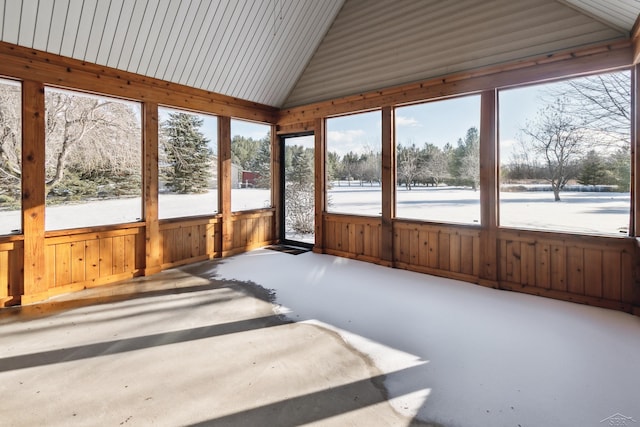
x=346, y=136
x=407, y=121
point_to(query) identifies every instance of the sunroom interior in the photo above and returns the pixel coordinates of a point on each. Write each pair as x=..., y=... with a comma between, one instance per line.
x=288, y=71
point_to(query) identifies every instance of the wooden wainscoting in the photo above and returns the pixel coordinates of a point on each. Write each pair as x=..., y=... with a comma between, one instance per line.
x=443, y=250
x=251, y=230
x=352, y=236
x=78, y=259
x=11, y=278
x=587, y=269
x=187, y=241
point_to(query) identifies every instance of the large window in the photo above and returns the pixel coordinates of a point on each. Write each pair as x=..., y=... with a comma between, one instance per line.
x=188, y=164
x=565, y=155
x=10, y=157
x=438, y=160
x=250, y=165
x=93, y=160
x=353, y=164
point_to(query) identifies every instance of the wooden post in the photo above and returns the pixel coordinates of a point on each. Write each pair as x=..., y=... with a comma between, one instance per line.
x=388, y=186
x=489, y=189
x=634, y=229
x=224, y=182
x=33, y=192
x=153, y=247
x=320, y=182
x=276, y=184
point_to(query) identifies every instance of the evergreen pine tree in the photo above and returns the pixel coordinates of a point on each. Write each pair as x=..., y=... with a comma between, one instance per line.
x=187, y=154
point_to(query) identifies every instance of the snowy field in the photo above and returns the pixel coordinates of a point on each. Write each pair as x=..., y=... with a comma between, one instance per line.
x=117, y=211
x=581, y=212
x=586, y=212
x=458, y=354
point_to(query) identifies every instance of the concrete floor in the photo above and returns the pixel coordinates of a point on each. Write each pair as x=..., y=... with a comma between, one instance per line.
x=180, y=348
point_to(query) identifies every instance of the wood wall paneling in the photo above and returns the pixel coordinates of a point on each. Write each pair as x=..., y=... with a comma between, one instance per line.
x=320, y=184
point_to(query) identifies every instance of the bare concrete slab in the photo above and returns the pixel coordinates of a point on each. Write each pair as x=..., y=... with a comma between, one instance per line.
x=180, y=348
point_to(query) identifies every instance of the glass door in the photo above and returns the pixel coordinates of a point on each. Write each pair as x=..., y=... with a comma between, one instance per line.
x=298, y=192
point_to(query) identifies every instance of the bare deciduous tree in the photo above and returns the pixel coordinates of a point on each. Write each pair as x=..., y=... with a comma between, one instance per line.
x=559, y=138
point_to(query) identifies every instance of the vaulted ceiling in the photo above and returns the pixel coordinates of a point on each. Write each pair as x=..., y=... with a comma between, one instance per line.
x=291, y=52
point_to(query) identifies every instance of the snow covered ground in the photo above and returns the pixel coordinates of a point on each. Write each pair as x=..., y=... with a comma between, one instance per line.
x=587, y=212
x=458, y=354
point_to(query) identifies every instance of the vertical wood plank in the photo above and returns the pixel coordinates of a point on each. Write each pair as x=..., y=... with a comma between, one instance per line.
x=543, y=266
x=92, y=259
x=414, y=246
x=153, y=238
x=50, y=260
x=388, y=178
x=118, y=254
x=77, y=262
x=634, y=217
x=628, y=280
x=443, y=251
x=4, y=274
x=33, y=191
x=346, y=239
x=63, y=264
x=528, y=264
x=433, y=249
x=611, y=275
x=423, y=257
x=454, y=252
x=359, y=236
x=514, y=264
x=16, y=284
x=320, y=183
x=466, y=254
x=476, y=256
x=575, y=270
x=558, y=268
x=224, y=181
x=129, y=253
x=503, y=263
x=106, y=257
x=330, y=231
x=593, y=272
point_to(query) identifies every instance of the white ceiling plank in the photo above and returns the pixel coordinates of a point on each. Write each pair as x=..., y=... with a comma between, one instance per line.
x=223, y=33
x=109, y=39
x=192, y=21
x=195, y=42
x=240, y=53
x=121, y=33
x=171, y=21
x=28, y=18
x=11, y=27
x=2, y=6
x=285, y=35
x=176, y=67
x=146, y=55
x=98, y=27
x=208, y=45
x=141, y=36
x=249, y=52
x=68, y=32
x=175, y=45
x=43, y=23
x=263, y=50
x=84, y=28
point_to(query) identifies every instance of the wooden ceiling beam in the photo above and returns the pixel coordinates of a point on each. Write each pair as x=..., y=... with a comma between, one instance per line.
x=29, y=64
x=563, y=64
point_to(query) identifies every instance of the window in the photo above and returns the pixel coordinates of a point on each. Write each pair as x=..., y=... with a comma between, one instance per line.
x=438, y=160
x=250, y=165
x=187, y=164
x=93, y=160
x=353, y=165
x=10, y=157
x=565, y=155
